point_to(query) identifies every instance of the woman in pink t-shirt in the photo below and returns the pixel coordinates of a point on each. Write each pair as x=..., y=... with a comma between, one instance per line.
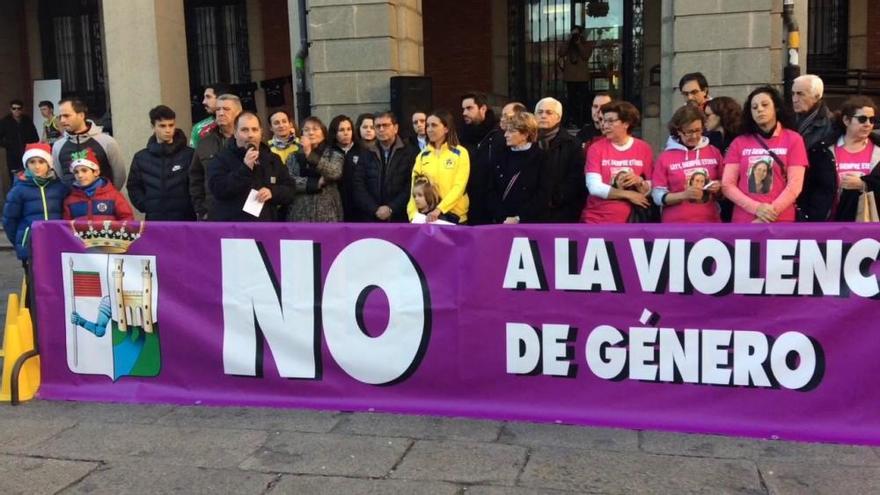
x=856, y=156
x=764, y=167
x=618, y=168
x=685, y=180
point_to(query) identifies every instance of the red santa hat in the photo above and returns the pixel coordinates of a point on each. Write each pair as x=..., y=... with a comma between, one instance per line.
x=37, y=150
x=84, y=158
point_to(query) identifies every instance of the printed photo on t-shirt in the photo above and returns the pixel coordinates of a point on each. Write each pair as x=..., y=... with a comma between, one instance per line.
x=761, y=176
x=698, y=177
x=617, y=175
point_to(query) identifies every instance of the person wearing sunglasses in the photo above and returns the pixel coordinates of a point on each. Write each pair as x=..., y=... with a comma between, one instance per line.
x=16, y=131
x=853, y=160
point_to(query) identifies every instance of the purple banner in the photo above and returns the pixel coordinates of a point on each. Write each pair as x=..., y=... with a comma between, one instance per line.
x=744, y=330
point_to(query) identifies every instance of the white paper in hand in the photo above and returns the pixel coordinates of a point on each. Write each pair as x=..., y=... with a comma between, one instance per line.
x=253, y=206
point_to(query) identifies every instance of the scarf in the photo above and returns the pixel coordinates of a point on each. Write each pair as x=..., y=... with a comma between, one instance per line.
x=283, y=143
x=40, y=181
x=545, y=137
x=91, y=188
x=807, y=121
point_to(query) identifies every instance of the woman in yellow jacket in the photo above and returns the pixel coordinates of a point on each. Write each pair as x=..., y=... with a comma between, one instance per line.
x=447, y=165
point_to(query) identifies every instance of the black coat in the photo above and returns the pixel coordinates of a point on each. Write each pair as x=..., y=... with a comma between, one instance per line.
x=483, y=159
x=377, y=183
x=562, y=188
x=513, y=188
x=199, y=192
x=230, y=181
x=14, y=135
x=158, y=181
x=346, y=186
x=820, y=187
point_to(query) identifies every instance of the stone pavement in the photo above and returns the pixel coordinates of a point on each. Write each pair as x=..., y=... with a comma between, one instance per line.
x=67, y=447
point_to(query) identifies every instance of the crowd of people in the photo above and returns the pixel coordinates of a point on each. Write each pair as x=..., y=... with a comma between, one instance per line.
x=723, y=161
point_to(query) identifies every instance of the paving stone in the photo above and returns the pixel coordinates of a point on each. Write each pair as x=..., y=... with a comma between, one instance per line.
x=465, y=462
x=509, y=490
x=252, y=418
x=612, y=472
x=19, y=474
x=207, y=447
x=751, y=448
x=21, y=434
x=420, y=427
x=327, y=454
x=152, y=478
x=579, y=437
x=802, y=479
x=320, y=485
x=88, y=411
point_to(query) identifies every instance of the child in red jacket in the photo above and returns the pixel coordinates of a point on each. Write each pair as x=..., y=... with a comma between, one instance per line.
x=92, y=196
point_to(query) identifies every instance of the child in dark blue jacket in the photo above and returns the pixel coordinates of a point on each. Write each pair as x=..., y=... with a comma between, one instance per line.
x=36, y=195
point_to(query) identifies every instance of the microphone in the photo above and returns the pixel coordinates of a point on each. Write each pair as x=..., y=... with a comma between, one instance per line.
x=250, y=146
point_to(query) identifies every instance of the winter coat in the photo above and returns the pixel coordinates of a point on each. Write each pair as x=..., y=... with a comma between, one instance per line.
x=158, y=181
x=106, y=151
x=105, y=204
x=383, y=184
x=209, y=145
x=230, y=182
x=317, y=204
x=562, y=186
x=483, y=160
x=514, y=185
x=816, y=201
x=14, y=135
x=26, y=203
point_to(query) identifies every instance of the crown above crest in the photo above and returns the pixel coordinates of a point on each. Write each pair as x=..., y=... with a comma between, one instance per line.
x=108, y=236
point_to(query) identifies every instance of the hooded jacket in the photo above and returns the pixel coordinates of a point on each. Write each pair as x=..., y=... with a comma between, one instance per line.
x=158, y=182
x=704, y=157
x=106, y=151
x=29, y=202
x=377, y=183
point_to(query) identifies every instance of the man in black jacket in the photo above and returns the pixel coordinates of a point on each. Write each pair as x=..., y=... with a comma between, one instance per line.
x=481, y=136
x=562, y=186
x=158, y=180
x=382, y=183
x=815, y=124
x=215, y=137
x=247, y=165
x=16, y=130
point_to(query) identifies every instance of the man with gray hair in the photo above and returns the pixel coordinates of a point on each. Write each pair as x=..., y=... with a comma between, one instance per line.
x=215, y=136
x=815, y=122
x=561, y=187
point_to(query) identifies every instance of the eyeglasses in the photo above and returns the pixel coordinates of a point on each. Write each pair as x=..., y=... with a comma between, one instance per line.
x=693, y=92
x=609, y=121
x=690, y=133
x=22, y=108
x=382, y=126
x=864, y=119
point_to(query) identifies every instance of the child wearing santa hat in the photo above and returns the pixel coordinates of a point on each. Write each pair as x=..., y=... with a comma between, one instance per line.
x=36, y=195
x=92, y=196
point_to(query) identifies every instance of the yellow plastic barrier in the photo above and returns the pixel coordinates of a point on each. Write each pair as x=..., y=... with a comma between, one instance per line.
x=21, y=364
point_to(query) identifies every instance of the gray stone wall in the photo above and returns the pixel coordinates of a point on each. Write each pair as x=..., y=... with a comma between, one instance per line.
x=737, y=44
x=357, y=46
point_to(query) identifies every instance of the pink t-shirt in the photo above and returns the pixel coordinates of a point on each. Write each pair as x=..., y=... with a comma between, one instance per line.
x=676, y=170
x=857, y=163
x=603, y=158
x=760, y=176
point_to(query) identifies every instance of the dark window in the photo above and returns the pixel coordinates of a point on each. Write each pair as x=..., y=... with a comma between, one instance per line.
x=217, y=46
x=72, y=50
x=828, y=32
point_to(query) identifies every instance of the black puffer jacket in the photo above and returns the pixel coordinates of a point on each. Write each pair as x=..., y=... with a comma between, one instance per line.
x=158, y=181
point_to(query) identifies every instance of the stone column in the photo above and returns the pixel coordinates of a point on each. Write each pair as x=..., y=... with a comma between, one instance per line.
x=146, y=66
x=356, y=47
x=736, y=44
